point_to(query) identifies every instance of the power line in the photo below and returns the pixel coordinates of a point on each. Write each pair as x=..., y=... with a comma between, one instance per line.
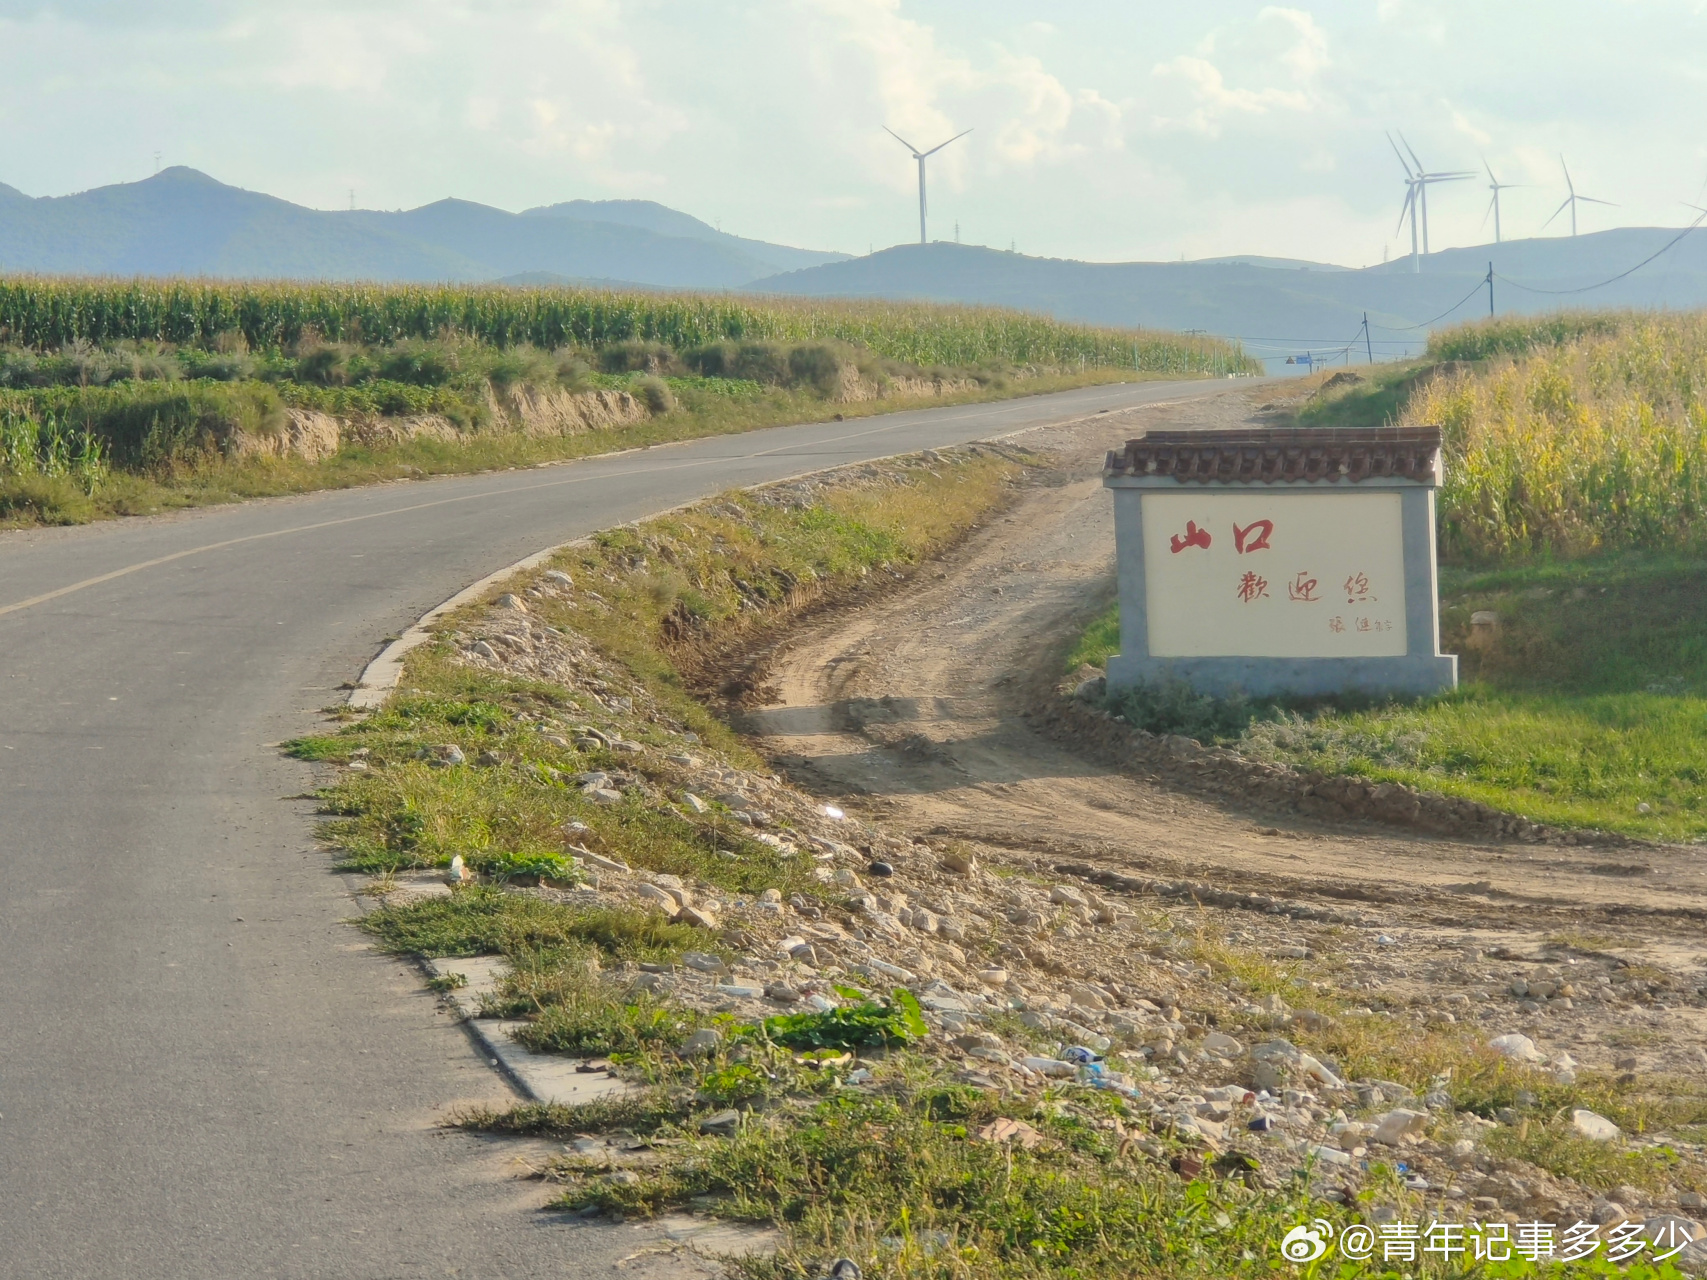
x=1479, y=286
x=1613, y=279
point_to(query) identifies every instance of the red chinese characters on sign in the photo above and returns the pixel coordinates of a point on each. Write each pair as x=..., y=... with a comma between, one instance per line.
x=1253, y=537
x=1336, y=624
x=1251, y=587
x=1194, y=537
x=1303, y=588
x=1357, y=589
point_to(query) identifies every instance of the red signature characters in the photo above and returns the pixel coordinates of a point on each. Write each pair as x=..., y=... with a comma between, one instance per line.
x=1194, y=537
x=1253, y=537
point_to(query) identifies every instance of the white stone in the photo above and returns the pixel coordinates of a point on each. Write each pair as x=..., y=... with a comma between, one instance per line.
x=1597, y=1128
x=1518, y=1047
x=1223, y=1044
x=1051, y=1067
x=1399, y=1126
x=694, y=803
x=1328, y=1155
x=597, y=860
x=1066, y=895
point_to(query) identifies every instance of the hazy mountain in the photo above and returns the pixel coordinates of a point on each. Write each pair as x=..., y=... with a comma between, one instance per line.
x=1282, y=307
x=181, y=222
x=1257, y=260
x=649, y=215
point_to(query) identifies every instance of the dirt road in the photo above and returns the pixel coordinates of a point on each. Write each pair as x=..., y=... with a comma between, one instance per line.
x=912, y=710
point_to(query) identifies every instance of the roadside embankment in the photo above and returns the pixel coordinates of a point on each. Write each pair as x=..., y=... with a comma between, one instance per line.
x=832, y=1022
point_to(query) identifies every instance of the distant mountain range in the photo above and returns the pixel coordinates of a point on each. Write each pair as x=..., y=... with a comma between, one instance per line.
x=1278, y=310
x=182, y=222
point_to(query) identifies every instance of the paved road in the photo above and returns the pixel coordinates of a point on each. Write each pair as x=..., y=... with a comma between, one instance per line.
x=203, y=1072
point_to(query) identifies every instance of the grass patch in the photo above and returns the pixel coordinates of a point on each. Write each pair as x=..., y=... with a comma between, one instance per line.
x=853, y=1026
x=1372, y=397
x=1601, y=1166
x=897, y=1179
x=1098, y=642
x=32, y=497
x=1586, y=707
x=480, y=920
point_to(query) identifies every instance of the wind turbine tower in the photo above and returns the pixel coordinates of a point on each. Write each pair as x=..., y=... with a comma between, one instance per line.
x=1417, y=183
x=1572, y=200
x=1496, y=186
x=921, y=156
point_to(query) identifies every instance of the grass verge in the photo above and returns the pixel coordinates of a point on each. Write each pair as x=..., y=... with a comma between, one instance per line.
x=1581, y=707
x=63, y=495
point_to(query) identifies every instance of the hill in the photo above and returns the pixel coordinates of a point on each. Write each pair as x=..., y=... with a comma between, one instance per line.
x=1293, y=305
x=662, y=220
x=182, y=222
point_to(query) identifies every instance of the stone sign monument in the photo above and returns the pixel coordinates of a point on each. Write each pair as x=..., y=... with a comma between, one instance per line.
x=1279, y=561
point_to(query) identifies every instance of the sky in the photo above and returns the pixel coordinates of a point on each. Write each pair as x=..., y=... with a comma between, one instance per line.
x=1107, y=130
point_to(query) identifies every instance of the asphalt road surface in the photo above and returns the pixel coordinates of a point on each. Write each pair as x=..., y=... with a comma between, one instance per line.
x=204, y=1073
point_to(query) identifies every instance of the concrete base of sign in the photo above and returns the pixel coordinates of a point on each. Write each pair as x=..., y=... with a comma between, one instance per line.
x=1410, y=675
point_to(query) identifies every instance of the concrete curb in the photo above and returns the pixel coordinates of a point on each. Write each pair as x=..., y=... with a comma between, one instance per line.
x=380, y=676
x=539, y=1077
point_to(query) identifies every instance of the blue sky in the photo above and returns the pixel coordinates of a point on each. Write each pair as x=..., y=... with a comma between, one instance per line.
x=1101, y=130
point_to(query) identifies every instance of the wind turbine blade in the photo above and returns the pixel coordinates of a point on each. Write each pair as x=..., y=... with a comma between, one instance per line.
x=1557, y=212
x=1592, y=200
x=1486, y=214
x=1569, y=185
x=956, y=138
x=1408, y=147
x=1410, y=199
x=1403, y=163
x=1490, y=170
x=902, y=141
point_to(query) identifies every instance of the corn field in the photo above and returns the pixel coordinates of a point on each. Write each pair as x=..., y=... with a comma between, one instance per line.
x=50, y=446
x=48, y=313
x=1595, y=440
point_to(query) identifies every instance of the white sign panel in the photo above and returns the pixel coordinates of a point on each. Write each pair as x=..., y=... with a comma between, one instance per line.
x=1263, y=574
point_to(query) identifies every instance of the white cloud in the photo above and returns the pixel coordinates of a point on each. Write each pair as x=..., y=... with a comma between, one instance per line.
x=1283, y=51
x=1109, y=130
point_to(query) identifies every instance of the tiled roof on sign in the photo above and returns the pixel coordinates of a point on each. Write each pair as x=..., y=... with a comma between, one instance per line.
x=1267, y=455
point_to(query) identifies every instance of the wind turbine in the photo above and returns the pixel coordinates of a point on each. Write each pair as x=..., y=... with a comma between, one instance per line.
x=1572, y=200
x=920, y=157
x=1496, y=186
x=1416, y=193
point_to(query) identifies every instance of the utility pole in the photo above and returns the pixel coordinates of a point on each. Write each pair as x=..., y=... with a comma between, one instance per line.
x=1490, y=289
x=1368, y=346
